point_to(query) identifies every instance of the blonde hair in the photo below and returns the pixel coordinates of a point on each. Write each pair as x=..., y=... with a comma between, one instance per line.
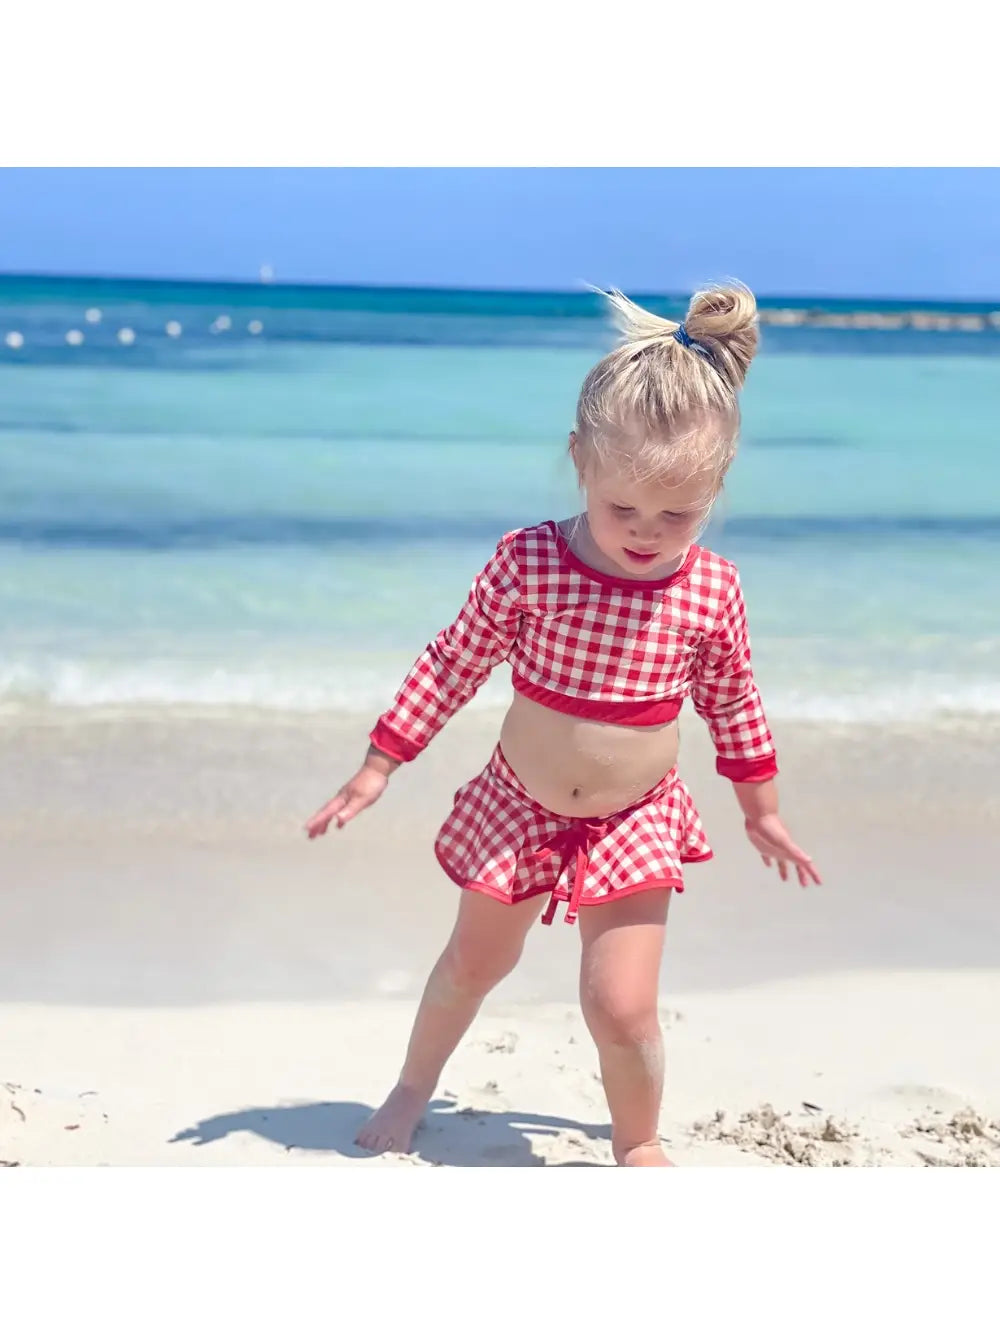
x=664, y=405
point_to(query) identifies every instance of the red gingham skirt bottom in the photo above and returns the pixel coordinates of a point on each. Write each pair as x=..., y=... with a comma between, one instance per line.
x=498, y=840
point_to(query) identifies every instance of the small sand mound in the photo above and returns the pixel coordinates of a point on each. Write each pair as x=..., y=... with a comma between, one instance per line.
x=789, y=1141
x=967, y=1138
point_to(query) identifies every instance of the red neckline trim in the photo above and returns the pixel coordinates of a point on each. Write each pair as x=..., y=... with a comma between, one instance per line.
x=568, y=557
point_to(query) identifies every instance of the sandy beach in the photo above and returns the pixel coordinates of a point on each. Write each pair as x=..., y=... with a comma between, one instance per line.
x=185, y=980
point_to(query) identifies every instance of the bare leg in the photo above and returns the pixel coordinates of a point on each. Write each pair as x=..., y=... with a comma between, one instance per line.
x=619, y=987
x=485, y=945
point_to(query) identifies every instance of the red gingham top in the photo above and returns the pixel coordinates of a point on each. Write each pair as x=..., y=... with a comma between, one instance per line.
x=594, y=645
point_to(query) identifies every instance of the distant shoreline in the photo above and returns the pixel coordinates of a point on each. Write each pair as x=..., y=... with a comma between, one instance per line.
x=923, y=320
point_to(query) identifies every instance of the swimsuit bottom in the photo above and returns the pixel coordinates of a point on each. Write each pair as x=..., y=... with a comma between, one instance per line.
x=499, y=841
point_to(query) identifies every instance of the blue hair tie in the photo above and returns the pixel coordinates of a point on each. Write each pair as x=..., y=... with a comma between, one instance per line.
x=685, y=340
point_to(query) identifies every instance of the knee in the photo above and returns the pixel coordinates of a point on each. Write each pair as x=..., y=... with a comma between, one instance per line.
x=618, y=1014
x=475, y=966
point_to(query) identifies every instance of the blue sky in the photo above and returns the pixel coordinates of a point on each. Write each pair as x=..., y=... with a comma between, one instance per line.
x=796, y=231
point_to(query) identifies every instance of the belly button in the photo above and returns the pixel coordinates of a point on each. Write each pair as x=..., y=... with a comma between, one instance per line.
x=576, y=791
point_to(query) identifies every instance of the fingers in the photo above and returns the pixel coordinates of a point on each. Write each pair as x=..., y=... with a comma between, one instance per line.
x=354, y=805
x=805, y=870
x=320, y=821
x=789, y=850
x=353, y=797
x=782, y=864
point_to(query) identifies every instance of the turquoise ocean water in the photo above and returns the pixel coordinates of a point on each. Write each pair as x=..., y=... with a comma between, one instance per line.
x=276, y=508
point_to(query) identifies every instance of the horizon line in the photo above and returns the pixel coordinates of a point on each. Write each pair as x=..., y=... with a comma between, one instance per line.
x=255, y=284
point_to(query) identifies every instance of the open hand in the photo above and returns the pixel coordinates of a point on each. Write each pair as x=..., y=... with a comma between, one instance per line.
x=769, y=835
x=358, y=794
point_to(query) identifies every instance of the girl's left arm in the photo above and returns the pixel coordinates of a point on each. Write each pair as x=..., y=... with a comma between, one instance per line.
x=725, y=694
x=759, y=803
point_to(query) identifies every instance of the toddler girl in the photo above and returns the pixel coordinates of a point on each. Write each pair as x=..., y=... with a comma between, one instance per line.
x=609, y=621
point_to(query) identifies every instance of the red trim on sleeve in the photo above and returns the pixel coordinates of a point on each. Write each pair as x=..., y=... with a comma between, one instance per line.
x=392, y=743
x=748, y=770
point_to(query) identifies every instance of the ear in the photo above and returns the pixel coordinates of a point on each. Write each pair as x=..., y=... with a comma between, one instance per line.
x=572, y=445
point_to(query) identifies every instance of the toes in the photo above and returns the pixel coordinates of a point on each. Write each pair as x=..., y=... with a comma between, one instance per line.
x=372, y=1141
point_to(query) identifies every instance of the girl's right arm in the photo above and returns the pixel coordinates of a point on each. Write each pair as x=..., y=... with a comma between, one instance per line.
x=452, y=668
x=361, y=791
x=445, y=676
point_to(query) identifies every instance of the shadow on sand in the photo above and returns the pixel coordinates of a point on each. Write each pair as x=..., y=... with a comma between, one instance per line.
x=447, y=1136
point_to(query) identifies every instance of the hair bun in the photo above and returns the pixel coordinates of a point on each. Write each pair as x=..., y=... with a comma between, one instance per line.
x=724, y=320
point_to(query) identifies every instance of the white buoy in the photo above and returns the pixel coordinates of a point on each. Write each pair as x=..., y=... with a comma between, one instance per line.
x=14, y=339
x=93, y=315
x=174, y=329
x=221, y=324
x=255, y=326
x=126, y=336
x=74, y=337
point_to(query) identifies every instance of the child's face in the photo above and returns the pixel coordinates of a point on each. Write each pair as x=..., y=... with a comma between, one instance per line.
x=644, y=526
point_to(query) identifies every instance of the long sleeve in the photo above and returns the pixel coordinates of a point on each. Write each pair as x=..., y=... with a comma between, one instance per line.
x=457, y=662
x=725, y=694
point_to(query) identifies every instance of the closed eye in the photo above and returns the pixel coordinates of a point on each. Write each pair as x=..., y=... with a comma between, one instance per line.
x=627, y=509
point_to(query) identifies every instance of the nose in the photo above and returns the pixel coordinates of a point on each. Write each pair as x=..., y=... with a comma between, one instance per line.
x=645, y=531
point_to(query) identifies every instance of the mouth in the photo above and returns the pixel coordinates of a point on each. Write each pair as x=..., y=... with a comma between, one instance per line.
x=639, y=558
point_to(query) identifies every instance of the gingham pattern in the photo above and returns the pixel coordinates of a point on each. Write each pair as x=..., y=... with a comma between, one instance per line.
x=499, y=841
x=593, y=640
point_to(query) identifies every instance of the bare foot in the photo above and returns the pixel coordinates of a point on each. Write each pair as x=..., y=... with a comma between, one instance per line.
x=644, y=1154
x=391, y=1127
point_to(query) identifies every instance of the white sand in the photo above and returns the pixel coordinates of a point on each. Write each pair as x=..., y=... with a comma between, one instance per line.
x=185, y=979
x=887, y=1069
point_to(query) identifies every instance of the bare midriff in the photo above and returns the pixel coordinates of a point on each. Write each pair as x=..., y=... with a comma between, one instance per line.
x=576, y=766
